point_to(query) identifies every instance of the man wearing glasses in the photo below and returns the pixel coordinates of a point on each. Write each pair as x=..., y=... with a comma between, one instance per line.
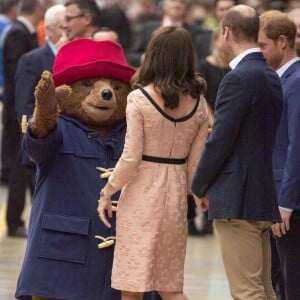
x=82, y=18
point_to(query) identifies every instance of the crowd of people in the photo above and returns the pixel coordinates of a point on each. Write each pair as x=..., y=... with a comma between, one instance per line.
x=233, y=135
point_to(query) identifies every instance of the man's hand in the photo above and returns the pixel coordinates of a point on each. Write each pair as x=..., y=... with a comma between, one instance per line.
x=280, y=229
x=201, y=203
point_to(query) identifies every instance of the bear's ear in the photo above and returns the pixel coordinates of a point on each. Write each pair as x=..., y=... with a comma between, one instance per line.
x=63, y=93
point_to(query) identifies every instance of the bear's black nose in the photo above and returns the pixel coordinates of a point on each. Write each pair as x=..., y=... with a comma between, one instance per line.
x=107, y=94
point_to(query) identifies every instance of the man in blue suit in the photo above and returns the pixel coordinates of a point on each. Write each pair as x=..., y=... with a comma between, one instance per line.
x=32, y=64
x=277, y=41
x=235, y=171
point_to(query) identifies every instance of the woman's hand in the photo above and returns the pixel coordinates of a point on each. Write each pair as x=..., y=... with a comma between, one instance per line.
x=104, y=204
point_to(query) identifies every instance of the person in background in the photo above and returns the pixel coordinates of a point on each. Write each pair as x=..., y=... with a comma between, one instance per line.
x=105, y=33
x=8, y=14
x=20, y=38
x=234, y=177
x=220, y=8
x=295, y=15
x=40, y=30
x=277, y=41
x=32, y=64
x=166, y=130
x=195, y=18
x=82, y=18
x=113, y=16
x=173, y=14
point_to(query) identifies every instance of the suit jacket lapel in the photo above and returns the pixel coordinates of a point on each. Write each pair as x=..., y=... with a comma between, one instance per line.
x=290, y=71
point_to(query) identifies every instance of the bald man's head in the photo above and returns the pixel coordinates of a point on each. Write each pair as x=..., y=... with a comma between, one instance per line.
x=243, y=22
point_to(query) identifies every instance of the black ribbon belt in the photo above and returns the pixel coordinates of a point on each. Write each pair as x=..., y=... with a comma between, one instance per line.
x=162, y=160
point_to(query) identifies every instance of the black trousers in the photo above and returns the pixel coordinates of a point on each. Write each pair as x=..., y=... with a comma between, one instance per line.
x=20, y=177
x=9, y=141
x=289, y=253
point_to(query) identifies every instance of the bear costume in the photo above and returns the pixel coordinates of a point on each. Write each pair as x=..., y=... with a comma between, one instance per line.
x=76, y=128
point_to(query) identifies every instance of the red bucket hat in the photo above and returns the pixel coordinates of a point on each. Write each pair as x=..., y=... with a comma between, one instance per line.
x=84, y=58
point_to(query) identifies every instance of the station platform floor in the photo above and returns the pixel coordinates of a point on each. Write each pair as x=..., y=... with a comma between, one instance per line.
x=204, y=273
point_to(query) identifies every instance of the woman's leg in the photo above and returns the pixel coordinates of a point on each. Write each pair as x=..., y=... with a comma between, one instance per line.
x=173, y=296
x=131, y=296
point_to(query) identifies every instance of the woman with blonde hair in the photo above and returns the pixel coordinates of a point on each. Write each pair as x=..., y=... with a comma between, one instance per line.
x=167, y=127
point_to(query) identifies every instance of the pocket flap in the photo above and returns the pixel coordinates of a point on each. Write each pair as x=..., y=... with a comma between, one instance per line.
x=66, y=224
x=278, y=174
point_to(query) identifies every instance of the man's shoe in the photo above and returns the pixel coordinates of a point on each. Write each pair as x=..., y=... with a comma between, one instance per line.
x=192, y=229
x=19, y=232
x=207, y=228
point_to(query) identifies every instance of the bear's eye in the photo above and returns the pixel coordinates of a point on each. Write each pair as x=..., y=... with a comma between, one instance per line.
x=117, y=87
x=86, y=83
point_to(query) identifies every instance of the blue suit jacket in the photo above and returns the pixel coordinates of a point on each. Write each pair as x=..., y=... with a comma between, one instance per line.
x=286, y=157
x=29, y=69
x=236, y=167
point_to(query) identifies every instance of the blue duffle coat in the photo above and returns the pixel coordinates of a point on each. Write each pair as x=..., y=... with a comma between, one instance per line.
x=62, y=260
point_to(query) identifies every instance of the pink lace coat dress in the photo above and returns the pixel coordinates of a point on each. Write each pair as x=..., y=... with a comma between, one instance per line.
x=151, y=230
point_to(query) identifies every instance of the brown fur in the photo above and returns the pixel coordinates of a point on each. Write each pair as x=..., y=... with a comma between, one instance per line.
x=83, y=100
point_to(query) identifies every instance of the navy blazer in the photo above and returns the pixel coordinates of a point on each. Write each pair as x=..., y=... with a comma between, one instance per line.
x=29, y=69
x=17, y=42
x=235, y=170
x=286, y=157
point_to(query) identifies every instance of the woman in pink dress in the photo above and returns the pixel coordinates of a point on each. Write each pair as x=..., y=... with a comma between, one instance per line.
x=167, y=127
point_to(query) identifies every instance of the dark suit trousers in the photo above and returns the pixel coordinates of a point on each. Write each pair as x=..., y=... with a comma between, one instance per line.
x=289, y=254
x=10, y=138
x=19, y=179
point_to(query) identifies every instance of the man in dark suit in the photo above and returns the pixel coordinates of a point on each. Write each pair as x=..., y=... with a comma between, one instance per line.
x=277, y=41
x=235, y=171
x=20, y=39
x=32, y=64
x=30, y=67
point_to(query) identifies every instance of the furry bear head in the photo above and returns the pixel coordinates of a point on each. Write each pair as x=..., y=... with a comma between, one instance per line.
x=98, y=76
x=96, y=101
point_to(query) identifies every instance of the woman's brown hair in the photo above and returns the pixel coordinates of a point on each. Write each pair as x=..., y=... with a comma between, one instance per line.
x=169, y=64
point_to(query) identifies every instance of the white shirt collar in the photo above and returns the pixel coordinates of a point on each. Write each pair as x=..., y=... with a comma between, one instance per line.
x=52, y=47
x=238, y=58
x=27, y=23
x=283, y=68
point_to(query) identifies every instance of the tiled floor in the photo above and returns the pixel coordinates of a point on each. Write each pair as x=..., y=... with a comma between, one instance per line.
x=204, y=273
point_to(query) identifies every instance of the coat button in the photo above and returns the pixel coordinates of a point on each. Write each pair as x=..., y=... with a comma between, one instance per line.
x=90, y=135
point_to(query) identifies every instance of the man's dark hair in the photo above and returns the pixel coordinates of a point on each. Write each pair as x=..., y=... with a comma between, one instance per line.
x=244, y=27
x=6, y=5
x=29, y=6
x=88, y=7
